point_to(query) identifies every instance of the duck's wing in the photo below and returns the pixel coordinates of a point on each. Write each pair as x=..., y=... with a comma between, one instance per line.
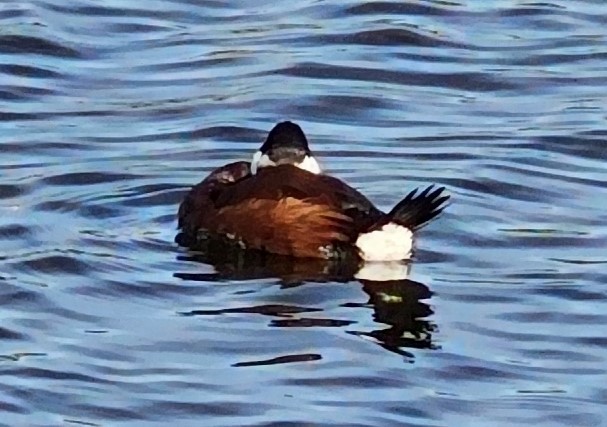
x=199, y=199
x=288, y=226
x=284, y=181
x=284, y=210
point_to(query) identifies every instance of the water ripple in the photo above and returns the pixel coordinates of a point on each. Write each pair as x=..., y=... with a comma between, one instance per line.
x=110, y=112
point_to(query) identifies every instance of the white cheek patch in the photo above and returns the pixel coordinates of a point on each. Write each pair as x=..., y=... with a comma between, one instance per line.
x=260, y=160
x=310, y=164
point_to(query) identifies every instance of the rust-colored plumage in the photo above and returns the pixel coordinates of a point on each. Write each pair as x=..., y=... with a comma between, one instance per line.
x=198, y=203
x=282, y=210
x=287, y=226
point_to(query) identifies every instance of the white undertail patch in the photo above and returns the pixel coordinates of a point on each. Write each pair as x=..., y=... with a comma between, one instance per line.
x=392, y=242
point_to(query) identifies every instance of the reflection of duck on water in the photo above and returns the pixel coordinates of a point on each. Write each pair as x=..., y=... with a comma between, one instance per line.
x=396, y=301
x=233, y=263
x=400, y=304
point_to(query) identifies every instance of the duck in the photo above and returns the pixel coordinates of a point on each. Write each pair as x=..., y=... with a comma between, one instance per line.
x=281, y=202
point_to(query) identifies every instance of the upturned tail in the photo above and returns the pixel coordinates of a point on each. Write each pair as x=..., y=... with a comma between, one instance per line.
x=391, y=239
x=417, y=210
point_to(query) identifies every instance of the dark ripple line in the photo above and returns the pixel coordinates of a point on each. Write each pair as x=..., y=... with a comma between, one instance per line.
x=196, y=64
x=530, y=336
x=309, y=322
x=9, y=96
x=109, y=412
x=25, y=12
x=9, y=191
x=404, y=8
x=115, y=12
x=503, y=189
x=538, y=9
x=8, y=334
x=217, y=133
x=130, y=28
x=351, y=101
x=15, y=231
x=85, y=210
x=23, y=300
x=307, y=423
x=571, y=170
x=567, y=293
x=455, y=10
x=474, y=82
x=384, y=37
x=553, y=176
x=348, y=382
x=46, y=146
x=590, y=146
x=208, y=409
x=594, y=132
x=28, y=71
x=268, y=310
x=66, y=313
x=579, y=261
x=15, y=44
x=88, y=178
x=9, y=116
x=12, y=13
x=363, y=155
x=25, y=92
x=560, y=58
x=80, y=423
x=549, y=317
x=28, y=372
x=466, y=372
x=293, y=358
x=56, y=264
x=562, y=355
x=15, y=357
x=12, y=408
x=466, y=138
x=163, y=195
x=128, y=371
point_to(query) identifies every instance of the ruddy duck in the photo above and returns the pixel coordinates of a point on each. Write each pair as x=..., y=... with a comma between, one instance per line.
x=281, y=203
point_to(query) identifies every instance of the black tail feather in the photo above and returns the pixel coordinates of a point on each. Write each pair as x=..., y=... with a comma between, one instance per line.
x=416, y=210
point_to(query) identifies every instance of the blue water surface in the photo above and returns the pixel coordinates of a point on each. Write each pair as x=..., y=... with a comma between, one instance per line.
x=110, y=111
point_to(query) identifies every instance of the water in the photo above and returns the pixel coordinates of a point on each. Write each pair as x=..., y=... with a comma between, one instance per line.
x=109, y=111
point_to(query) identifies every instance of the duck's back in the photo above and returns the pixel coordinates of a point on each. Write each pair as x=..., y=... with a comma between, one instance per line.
x=287, y=211
x=198, y=203
x=282, y=182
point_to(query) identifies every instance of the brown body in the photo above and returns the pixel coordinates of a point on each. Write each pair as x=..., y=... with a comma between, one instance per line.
x=283, y=210
x=281, y=203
